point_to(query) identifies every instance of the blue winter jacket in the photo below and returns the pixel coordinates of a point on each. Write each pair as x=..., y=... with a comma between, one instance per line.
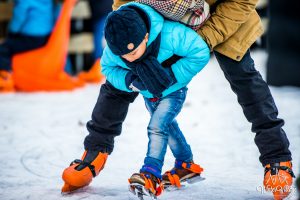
x=176, y=39
x=32, y=17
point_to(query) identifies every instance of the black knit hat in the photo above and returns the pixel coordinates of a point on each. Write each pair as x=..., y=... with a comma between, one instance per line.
x=124, y=30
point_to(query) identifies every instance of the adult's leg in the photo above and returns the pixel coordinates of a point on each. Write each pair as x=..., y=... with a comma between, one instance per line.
x=258, y=106
x=108, y=115
x=107, y=118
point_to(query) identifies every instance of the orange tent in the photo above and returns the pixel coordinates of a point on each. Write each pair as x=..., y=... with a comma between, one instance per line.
x=42, y=69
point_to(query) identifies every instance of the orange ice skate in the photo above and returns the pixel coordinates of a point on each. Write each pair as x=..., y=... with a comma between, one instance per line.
x=279, y=179
x=81, y=172
x=182, y=172
x=145, y=184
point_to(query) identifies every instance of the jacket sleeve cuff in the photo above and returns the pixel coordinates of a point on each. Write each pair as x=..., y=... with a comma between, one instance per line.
x=206, y=39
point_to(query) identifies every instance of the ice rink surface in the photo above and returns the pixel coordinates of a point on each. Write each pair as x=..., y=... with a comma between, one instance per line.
x=41, y=133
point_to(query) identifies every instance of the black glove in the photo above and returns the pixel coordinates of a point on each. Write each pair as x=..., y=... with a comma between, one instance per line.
x=134, y=83
x=137, y=84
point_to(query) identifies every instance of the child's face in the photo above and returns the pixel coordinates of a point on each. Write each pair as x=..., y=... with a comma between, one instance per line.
x=138, y=52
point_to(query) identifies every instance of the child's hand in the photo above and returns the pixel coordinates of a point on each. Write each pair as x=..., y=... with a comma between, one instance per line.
x=134, y=83
x=137, y=83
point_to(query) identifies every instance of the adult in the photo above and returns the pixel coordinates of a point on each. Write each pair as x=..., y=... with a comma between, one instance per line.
x=233, y=26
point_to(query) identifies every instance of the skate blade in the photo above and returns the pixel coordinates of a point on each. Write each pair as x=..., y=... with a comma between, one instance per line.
x=195, y=179
x=171, y=188
x=69, y=189
x=140, y=191
x=192, y=180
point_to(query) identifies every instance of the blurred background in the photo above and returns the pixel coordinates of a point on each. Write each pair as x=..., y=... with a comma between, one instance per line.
x=86, y=29
x=280, y=40
x=87, y=20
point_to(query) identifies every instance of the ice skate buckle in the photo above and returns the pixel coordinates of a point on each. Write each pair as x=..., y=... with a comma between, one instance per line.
x=274, y=168
x=85, y=164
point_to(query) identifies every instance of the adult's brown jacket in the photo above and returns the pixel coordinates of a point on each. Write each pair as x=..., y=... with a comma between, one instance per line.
x=231, y=29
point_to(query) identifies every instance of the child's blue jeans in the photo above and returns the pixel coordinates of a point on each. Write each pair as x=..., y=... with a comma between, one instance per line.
x=163, y=130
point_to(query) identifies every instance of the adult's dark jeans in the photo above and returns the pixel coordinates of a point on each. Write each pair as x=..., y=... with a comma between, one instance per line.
x=253, y=95
x=108, y=115
x=17, y=43
x=258, y=106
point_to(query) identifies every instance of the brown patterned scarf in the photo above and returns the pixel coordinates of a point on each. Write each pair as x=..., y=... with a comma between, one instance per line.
x=190, y=12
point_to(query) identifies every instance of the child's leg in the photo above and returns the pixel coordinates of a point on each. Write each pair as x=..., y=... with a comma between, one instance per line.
x=163, y=113
x=184, y=169
x=180, y=148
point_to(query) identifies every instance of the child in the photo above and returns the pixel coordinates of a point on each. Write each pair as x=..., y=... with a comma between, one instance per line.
x=158, y=58
x=139, y=40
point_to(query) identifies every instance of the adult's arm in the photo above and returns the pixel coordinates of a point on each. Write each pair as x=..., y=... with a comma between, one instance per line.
x=226, y=20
